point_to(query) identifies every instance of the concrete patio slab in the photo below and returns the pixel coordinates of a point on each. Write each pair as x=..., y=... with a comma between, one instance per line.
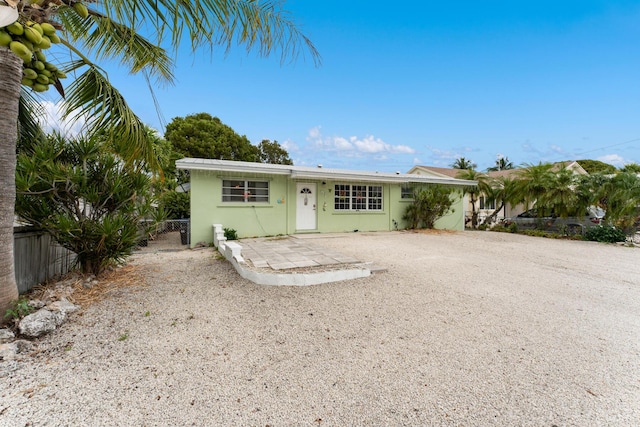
x=294, y=261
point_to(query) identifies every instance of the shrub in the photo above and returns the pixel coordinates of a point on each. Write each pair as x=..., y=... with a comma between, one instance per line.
x=230, y=234
x=88, y=199
x=175, y=205
x=605, y=234
x=428, y=206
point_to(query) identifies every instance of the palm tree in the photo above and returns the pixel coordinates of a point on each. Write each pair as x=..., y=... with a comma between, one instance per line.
x=502, y=190
x=107, y=31
x=561, y=196
x=473, y=190
x=502, y=164
x=462, y=163
x=533, y=183
x=622, y=199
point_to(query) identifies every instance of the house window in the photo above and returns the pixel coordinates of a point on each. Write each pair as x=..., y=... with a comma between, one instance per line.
x=485, y=203
x=357, y=197
x=406, y=192
x=244, y=191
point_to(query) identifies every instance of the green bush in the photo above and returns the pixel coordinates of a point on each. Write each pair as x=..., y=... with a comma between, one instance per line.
x=88, y=199
x=605, y=234
x=428, y=206
x=175, y=205
x=230, y=234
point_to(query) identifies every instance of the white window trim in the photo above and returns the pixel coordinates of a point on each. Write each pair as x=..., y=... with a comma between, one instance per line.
x=246, y=192
x=351, y=197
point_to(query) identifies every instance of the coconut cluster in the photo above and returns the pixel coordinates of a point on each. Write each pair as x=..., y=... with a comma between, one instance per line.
x=30, y=36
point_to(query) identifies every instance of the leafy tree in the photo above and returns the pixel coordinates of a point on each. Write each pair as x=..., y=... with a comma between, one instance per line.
x=473, y=190
x=502, y=163
x=429, y=204
x=108, y=32
x=596, y=166
x=175, y=205
x=204, y=136
x=272, y=152
x=631, y=168
x=87, y=199
x=462, y=163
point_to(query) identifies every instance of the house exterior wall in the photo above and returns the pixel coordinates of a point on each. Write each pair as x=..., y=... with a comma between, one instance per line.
x=278, y=215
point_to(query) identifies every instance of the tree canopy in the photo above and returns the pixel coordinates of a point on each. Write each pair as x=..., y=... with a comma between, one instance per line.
x=203, y=136
x=502, y=163
x=462, y=163
x=272, y=152
x=596, y=166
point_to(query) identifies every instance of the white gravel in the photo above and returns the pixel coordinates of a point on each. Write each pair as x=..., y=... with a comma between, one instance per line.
x=464, y=329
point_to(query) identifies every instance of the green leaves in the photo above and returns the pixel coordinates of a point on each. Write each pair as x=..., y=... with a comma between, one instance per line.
x=104, y=38
x=93, y=98
x=88, y=199
x=429, y=204
x=203, y=136
x=261, y=26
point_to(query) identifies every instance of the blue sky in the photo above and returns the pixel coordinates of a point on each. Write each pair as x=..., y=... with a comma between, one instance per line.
x=425, y=82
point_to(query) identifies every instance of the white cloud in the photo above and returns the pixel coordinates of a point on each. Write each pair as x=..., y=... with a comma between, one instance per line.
x=342, y=144
x=446, y=157
x=556, y=148
x=354, y=146
x=613, y=159
x=290, y=146
x=53, y=120
x=314, y=132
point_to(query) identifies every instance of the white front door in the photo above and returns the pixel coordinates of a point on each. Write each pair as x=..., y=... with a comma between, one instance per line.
x=306, y=206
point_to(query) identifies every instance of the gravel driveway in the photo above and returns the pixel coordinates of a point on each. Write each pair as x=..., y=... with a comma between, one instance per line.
x=472, y=328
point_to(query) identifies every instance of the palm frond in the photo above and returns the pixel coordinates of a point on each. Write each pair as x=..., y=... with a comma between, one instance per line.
x=106, y=39
x=29, y=129
x=258, y=25
x=93, y=99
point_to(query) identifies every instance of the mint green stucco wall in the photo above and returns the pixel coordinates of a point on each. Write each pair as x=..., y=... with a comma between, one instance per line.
x=278, y=216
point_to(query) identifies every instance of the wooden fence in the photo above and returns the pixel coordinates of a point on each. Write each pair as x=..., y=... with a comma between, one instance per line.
x=38, y=258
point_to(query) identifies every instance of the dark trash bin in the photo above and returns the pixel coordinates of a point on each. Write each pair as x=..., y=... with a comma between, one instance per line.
x=183, y=225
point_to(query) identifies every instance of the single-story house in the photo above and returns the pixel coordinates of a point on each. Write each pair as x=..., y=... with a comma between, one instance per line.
x=258, y=199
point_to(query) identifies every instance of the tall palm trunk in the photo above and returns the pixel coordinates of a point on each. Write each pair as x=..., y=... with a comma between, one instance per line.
x=11, y=75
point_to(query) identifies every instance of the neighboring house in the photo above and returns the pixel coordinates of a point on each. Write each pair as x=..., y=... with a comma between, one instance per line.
x=259, y=199
x=484, y=206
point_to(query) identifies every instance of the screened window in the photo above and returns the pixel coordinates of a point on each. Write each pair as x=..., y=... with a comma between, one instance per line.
x=245, y=191
x=357, y=197
x=407, y=192
x=486, y=203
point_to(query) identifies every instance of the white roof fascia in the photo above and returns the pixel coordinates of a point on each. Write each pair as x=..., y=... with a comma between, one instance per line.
x=300, y=172
x=232, y=166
